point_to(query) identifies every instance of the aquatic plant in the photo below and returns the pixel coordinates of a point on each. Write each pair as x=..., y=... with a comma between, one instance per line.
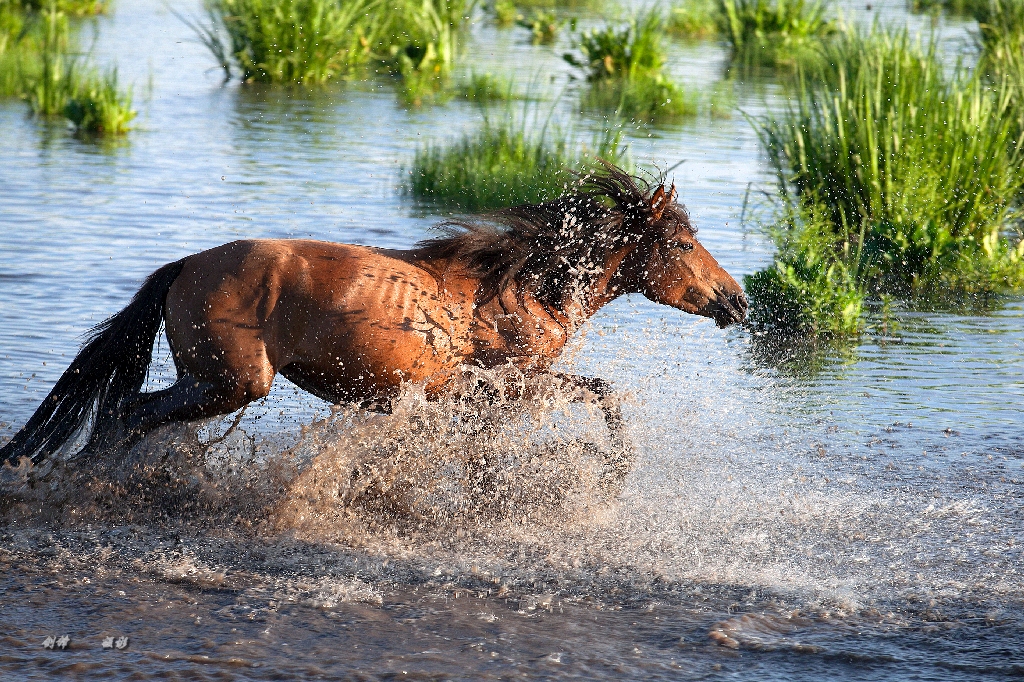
x=49, y=88
x=505, y=13
x=695, y=19
x=775, y=32
x=290, y=41
x=78, y=8
x=624, y=67
x=954, y=7
x=98, y=106
x=486, y=87
x=645, y=97
x=544, y=26
x=501, y=164
x=914, y=170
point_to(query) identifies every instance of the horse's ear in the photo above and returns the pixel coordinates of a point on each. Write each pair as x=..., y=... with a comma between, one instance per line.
x=672, y=195
x=658, y=203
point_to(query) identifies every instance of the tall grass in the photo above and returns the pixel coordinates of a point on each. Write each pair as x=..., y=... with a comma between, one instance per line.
x=501, y=164
x=624, y=65
x=909, y=171
x=290, y=41
x=695, y=19
x=98, y=106
x=775, y=32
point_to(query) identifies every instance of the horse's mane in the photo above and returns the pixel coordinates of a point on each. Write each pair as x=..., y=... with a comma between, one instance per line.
x=557, y=245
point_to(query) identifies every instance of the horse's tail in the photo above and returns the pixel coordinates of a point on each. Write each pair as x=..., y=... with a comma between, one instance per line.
x=108, y=372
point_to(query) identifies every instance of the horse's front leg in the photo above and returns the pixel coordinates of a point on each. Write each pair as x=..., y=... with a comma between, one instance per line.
x=596, y=390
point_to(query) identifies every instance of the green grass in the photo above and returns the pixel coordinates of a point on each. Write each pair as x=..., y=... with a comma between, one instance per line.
x=624, y=65
x=501, y=164
x=695, y=19
x=644, y=97
x=964, y=8
x=98, y=106
x=305, y=42
x=775, y=32
x=486, y=87
x=909, y=177
x=544, y=26
x=78, y=8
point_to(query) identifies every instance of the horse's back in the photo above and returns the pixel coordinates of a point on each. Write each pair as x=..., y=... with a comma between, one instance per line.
x=344, y=320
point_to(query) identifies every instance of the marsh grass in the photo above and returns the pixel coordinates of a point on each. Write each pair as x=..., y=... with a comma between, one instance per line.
x=695, y=19
x=963, y=8
x=502, y=164
x=305, y=42
x=486, y=87
x=98, y=106
x=901, y=174
x=544, y=26
x=624, y=66
x=78, y=8
x=775, y=32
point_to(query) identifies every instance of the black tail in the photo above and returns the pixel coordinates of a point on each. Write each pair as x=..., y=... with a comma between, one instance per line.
x=108, y=372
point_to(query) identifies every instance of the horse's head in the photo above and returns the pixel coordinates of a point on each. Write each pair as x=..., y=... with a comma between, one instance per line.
x=680, y=272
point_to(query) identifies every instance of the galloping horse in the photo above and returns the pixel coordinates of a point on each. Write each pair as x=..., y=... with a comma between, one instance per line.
x=352, y=323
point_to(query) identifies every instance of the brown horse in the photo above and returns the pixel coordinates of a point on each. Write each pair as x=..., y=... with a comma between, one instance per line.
x=352, y=323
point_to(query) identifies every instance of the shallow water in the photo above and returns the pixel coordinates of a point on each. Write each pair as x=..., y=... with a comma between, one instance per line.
x=850, y=514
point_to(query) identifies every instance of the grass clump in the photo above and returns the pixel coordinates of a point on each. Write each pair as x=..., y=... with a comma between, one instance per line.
x=962, y=8
x=544, y=26
x=624, y=65
x=305, y=42
x=775, y=32
x=98, y=106
x=695, y=19
x=501, y=164
x=486, y=87
x=905, y=180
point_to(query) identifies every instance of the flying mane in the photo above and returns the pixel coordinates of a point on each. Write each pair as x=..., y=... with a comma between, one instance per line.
x=557, y=246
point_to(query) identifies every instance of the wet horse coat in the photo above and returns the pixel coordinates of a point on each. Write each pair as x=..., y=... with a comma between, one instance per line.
x=352, y=323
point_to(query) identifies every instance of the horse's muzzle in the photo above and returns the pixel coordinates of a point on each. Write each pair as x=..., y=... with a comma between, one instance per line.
x=727, y=308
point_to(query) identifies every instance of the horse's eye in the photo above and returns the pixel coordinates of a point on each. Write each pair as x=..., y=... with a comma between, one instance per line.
x=683, y=246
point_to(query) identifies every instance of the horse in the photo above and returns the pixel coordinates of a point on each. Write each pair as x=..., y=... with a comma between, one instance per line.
x=354, y=323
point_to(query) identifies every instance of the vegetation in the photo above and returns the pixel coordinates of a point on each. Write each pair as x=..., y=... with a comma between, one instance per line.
x=289, y=41
x=695, y=19
x=486, y=87
x=956, y=7
x=98, y=106
x=775, y=32
x=38, y=63
x=903, y=180
x=544, y=26
x=624, y=67
x=502, y=165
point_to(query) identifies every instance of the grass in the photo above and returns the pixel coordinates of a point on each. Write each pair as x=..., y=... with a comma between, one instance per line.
x=624, y=65
x=904, y=180
x=695, y=19
x=98, y=106
x=501, y=164
x=304, y=42
x=544, y=26
x=775, y=32
x=38, y=63
x=963, y=8
x=486, y=87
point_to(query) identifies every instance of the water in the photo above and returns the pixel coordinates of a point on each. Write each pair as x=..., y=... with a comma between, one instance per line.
x=850, y=514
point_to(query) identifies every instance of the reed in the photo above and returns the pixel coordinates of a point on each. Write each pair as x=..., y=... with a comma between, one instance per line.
x=624, y=65
x=544, y=26
x=775, y=32
x=78, y=8
x=501, y=164
x=486, y=87
x=305, y=42
x=914, y=170
x=695, y=19
x=98, y=106
x=49, y=85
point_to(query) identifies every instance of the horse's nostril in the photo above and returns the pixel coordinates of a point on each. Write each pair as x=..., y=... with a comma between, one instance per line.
x=740, y=301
